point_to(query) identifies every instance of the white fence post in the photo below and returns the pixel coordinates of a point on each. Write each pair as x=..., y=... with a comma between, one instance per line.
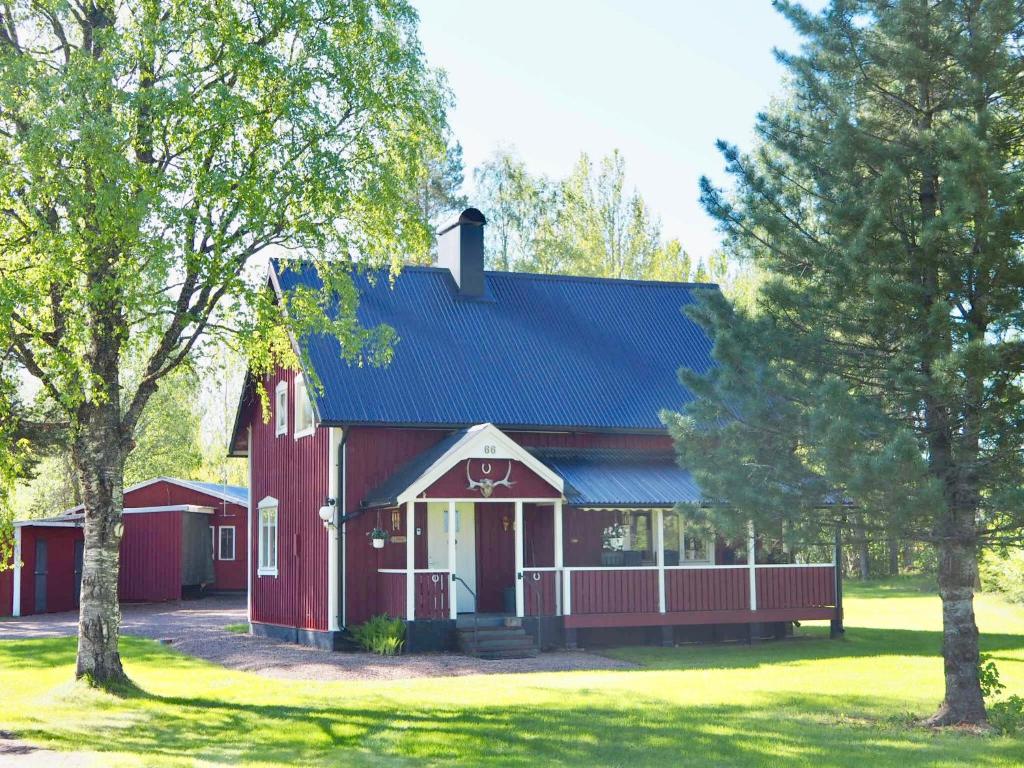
x=752, y=564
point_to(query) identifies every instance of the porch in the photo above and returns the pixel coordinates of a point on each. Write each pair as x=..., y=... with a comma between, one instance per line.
x=579, y=543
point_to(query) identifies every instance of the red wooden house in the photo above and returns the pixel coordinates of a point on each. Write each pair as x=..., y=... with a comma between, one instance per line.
x=513, y=455
x=178, y=535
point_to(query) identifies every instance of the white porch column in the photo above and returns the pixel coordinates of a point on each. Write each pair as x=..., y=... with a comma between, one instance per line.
x=410, y=560
x=453, y=595
x=558, y=556
x=659, y=553
x=752, y=564
x=16, y=604
x=520, y=601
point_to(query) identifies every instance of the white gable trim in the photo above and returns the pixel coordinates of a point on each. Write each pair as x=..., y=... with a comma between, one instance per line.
x=222, y=495
x=484, y=441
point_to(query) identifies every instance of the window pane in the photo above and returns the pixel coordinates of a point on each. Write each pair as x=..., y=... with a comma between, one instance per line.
x=227, y=543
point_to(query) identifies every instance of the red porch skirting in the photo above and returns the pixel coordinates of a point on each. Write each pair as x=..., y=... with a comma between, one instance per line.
x=679, y=618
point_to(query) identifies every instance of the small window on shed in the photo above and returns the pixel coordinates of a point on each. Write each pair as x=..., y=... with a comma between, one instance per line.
x=281, y=409
x=303, y=409
x=226, y=550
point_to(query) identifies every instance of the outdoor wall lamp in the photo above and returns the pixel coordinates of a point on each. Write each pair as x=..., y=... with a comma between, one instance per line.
x=327, y=513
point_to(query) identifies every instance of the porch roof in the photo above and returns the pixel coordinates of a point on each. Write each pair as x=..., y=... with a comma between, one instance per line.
x=621, y=477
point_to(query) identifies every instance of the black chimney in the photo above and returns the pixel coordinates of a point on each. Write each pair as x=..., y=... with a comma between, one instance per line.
x=460, y=249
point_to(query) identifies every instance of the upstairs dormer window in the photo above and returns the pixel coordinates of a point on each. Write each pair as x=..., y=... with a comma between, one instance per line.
x=303, y=409
x=281, y=409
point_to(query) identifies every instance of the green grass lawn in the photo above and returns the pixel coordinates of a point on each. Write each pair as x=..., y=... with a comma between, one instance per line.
x=808, y=702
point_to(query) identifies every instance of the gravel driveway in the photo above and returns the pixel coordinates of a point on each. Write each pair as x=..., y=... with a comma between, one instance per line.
x=197, y=628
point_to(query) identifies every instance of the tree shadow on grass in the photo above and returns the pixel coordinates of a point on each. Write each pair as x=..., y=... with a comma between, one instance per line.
x=596, y=729
x=858, y=642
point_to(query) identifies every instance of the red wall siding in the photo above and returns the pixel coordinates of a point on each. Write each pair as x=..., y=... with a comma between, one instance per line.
x=60, y=578
x=615, y=591
x=296, y=473
x=150, y=558
x=796, y=587
x=525, y=484
x=229, y=574
x=373, y=454
x=7, y=590
x=706, y=589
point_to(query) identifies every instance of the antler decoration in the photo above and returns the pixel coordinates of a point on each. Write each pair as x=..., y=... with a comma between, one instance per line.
x=487, y=485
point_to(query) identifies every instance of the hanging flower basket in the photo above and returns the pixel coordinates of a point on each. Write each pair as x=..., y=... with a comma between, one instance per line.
x=377, y=537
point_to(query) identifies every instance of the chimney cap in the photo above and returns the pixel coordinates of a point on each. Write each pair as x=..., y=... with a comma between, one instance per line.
x=470, y=216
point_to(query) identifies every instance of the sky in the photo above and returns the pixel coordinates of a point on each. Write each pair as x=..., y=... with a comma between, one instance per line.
x=660, y=81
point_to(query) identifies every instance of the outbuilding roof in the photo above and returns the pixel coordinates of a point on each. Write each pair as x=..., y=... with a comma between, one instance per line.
x=535, y=351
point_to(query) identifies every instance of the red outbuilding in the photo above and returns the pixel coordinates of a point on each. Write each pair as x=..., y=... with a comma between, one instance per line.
x=506, y=481
x=179, y=535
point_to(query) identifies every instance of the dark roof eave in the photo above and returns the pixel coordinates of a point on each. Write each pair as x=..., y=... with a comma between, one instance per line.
x=593, y=428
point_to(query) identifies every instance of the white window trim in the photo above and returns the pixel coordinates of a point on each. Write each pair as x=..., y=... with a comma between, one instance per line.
x=299, y=403
x=268, y=502
x=213, y=541
x=234, y=534
x=281, y=413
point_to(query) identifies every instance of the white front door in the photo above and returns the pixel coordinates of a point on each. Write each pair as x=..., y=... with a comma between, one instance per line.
x=465, y=547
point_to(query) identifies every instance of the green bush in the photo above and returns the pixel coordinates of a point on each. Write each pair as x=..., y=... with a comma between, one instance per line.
x=381, y=634
x=1007, y=716
x=1004, y=572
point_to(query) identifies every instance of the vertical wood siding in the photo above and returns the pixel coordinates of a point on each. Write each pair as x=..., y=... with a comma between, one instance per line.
x=707, y=589
x=7, y=589
x=539, y=593
x=431, y=593
x=60, y=578
x=392, y=594
x=150, y=558
x=228, y=574
x=373, y=454
x=796, y=587
x=295, y=472
x=614, y=591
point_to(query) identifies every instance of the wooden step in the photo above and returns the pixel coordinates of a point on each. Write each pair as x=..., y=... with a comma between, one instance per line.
x=496, y=641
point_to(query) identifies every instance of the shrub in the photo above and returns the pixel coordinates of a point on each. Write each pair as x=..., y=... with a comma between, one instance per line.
x=381, y=634
x=1007, y=716
x=1004, y=573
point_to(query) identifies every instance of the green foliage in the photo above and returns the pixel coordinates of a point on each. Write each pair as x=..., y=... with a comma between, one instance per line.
x=881, y=362
x=381, y=635
x=238, y=629
x=1006, y=717
x=1003, y=572
x=988, y=677
x=586, y=224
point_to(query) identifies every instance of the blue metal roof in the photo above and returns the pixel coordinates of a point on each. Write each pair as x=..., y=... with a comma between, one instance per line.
x=535, y=351
x=237, y=493
x=621, y=478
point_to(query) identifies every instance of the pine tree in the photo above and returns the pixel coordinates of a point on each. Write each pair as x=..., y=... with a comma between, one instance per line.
x=882, y=362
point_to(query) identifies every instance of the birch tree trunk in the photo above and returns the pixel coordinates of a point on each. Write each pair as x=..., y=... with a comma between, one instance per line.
x=99, y=461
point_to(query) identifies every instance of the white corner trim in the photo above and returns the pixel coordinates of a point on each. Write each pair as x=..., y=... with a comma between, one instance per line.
x=248, y=529
x=484, y=441
x=333, y=612
x=16, y=600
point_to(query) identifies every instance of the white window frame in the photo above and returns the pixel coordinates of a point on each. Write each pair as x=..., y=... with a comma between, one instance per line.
x=220, y=541
x=303, y=404
x=266, y=568
x=213, y=541
x=281, y=409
